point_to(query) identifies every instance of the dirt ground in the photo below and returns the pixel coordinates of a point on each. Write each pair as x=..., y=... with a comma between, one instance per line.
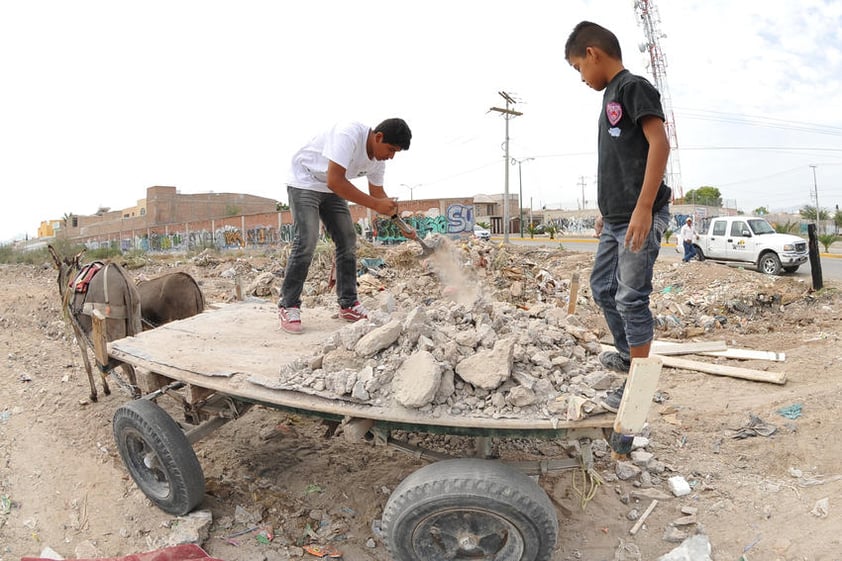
x=63, y=485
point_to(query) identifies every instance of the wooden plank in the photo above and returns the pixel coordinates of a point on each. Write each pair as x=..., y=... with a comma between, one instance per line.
x=98, y=337
x=637, y=397
x=720, y=370
x=749, y=354
x=723, y=370
x=660, y=348
x=675, y=348
x=574, y=294
x=643, y=517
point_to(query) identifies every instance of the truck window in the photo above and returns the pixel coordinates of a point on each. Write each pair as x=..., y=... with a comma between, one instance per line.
x=719, y=228
x=761, y=227
x=740, y=229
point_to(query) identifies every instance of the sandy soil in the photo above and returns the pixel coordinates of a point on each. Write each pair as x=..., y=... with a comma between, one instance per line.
x=63, y=485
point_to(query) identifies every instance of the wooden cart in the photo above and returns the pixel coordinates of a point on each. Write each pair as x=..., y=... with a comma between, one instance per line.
x=218, y=364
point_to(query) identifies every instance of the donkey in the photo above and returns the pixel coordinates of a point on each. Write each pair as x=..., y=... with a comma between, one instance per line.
x=108, y=288
x=169, y=297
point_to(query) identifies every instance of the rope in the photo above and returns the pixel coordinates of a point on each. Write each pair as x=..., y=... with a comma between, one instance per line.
x=591, y=480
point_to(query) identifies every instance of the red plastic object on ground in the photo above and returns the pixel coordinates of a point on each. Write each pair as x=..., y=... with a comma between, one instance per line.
x=188, y=552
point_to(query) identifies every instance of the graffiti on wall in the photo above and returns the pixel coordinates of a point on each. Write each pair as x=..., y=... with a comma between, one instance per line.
x=459, y=219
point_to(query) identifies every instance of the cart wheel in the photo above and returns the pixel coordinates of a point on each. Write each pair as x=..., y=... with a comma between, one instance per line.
x=159, y=457
x=469, y=509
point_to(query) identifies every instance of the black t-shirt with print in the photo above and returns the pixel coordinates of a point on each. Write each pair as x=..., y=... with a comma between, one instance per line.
x=623, y=148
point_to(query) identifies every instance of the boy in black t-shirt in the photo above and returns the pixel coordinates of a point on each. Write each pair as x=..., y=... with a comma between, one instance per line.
x=632, y=196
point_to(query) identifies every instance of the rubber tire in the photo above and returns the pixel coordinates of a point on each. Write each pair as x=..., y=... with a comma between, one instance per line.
x=699, y=254
x=769, y=264
x=159, y=457
x=791, y=269
x=467, y=494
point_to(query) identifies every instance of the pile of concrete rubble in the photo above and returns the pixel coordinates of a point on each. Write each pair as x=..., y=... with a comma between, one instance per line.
x=489, y=358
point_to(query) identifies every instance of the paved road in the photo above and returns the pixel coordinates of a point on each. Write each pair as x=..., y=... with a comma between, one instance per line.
x=831, y=263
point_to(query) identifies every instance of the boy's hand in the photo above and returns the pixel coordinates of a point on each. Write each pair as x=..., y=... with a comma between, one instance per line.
x=638, y=230
x=597, y=226
x=387, y=207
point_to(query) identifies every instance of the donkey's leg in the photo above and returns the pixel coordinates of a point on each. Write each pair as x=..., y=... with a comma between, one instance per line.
x=129, y=371
x=104, y=377
x=84, y=351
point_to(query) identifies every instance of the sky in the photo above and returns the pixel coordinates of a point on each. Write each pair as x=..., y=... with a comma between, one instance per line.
x=102, y=99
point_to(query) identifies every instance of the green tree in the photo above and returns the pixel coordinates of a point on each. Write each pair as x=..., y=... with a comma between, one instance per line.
x=760, y=211
x=788, y=227
x=827, y=240
x=837, y=219
x=279, y=206
x=705, y=195
x=808, y=212
x=551, y=229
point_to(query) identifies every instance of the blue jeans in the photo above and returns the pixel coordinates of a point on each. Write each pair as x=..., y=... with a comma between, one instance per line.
x=621, y=282
x=308, y=207
x=689, y=251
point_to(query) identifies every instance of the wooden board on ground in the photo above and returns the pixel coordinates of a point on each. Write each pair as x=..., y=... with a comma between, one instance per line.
x=669, y=348
x=674, y=348
x=724, y=370
x=239, y=349
x=720, y=370
x=637, y=397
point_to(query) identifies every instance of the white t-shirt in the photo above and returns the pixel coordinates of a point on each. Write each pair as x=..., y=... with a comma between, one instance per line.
x=344, y=144
x=687, y=233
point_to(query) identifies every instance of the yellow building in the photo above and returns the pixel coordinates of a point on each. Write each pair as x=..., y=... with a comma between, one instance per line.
x=48, y=228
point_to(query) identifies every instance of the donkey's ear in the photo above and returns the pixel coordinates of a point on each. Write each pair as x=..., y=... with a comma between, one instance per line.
x=56, y=258
x=77, y=259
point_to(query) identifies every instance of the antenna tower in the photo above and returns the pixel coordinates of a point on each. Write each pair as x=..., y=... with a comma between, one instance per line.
x=648, y=18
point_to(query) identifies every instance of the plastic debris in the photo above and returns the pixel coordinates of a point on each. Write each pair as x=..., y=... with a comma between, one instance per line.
x=312, y=488
x=791, y=412
x=755, y=427
x=323, y=551
x=266, y=535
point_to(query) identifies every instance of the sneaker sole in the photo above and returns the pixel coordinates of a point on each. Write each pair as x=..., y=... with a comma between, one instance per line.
x=609, y=407
x=292, y=331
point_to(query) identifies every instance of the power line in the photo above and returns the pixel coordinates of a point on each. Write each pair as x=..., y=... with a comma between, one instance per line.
x=758, y=121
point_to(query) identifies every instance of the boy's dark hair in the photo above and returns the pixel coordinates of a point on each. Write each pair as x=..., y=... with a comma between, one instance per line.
x=588, y=34
x=395, y=131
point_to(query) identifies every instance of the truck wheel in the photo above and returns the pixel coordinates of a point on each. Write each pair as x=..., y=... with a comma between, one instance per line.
x=699, y=254
x=791, y=269
x=769, y=264
x=158, y=456
x=467, y=509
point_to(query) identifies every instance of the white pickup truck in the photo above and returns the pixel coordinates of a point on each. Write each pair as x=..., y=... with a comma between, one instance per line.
x=749, y=239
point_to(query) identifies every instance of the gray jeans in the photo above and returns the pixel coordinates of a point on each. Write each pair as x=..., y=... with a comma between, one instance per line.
x=621, y=282
x=308, y=208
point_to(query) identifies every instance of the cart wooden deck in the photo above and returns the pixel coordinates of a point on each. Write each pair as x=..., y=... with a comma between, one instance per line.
x=238, y=350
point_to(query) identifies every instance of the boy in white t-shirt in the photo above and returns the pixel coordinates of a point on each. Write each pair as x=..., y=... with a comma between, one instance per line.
x=319, y=188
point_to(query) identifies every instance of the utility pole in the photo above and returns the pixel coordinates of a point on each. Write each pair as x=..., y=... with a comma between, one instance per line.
x=816, y=193
x=520, y=196
x=582, y=185
x=507, y=114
